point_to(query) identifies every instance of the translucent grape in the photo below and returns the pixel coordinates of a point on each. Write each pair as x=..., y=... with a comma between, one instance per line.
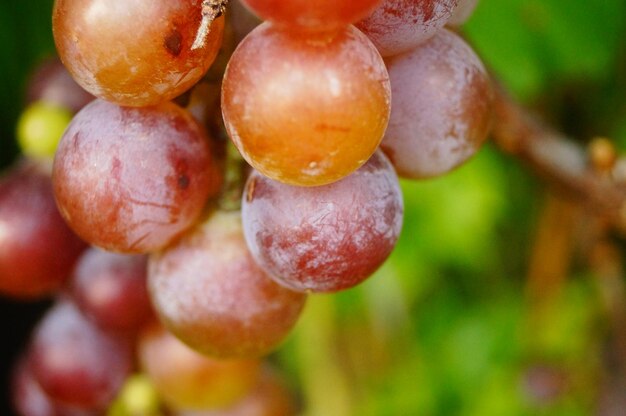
x=132, y=179
x=188, y=380
x=135, y=52
x=40, y=128
x=211, y=294
x=442, y=107
x=37, y=249
x=312, y=15
x=305, y=110
x=397, y=26
x=326, y=238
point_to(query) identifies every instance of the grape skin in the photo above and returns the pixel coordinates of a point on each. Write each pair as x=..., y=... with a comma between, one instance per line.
x=397, y=26
x=307, y=110
x=134, y=52
x=442, y=107
x=130, y=180
x=327, y=238
x=209, y=292
x=463, y=12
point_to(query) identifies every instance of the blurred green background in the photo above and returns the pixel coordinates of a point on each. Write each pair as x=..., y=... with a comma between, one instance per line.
x=494, y=302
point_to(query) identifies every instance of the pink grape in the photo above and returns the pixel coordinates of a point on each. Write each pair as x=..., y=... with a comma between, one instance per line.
x=132, y=179
x=209, y=292
x=326, y=238
x=442, y=107
x=397, y=26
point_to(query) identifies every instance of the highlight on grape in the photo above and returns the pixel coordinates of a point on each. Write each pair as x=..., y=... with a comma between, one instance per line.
x=188, y=258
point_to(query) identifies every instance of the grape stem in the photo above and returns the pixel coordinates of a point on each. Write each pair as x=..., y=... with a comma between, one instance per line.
x=211, y=10
x=570, y=168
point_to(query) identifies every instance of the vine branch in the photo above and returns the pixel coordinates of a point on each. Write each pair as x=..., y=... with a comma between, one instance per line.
x=592, y=176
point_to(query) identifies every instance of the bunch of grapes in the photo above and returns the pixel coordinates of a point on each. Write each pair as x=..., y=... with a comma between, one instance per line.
x=325, y=102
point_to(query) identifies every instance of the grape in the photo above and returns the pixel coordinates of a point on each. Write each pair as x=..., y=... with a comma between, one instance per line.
x=74, y=362
x=442, y=107
x=327, y=238
x=269, y=397
x=132, y=179
x=135, y=52
x=309, y=15
x=40, y=128
x=397, y=26
x=37, y=249
x=463, y=12
x=210, y=293
x=111, y=289
x=52, y=84
x=188, y=380
x=242, y=20
x=307, y=110
x=30, y=400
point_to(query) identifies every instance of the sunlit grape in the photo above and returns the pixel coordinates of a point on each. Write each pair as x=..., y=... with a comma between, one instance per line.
x=306, y=110
x=135, y=52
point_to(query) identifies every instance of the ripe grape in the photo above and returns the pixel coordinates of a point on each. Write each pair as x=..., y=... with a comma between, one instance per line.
x=305, y=110
x=209, y=292
x=132, y=179
x=74, y=362
x=326, y=238
x=309, y=15
x=463, y=12
x=135, y=52
x=37, y=249
x=397, y=26
x=188, y=380
x=111, y=289
x=442, y=107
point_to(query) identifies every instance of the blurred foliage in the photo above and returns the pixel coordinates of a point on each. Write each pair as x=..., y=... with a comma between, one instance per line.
x=446, y=326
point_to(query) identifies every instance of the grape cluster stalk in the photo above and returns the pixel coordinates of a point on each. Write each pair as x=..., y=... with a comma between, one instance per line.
x=325, y=102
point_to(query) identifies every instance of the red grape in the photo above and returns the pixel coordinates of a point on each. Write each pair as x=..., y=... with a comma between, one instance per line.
x=132, y=179
x=74, y=362
x=305, y=110
x=442, y=107
x=111, y=289
x=188, y=380
x=135, y=52
x=211, y=294
x=397, y=26
x=316, y=15
x=326, y=238
x=37, y=249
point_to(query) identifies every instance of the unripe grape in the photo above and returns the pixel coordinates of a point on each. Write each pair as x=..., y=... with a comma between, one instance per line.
x=305, y=110
x=40, y=128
